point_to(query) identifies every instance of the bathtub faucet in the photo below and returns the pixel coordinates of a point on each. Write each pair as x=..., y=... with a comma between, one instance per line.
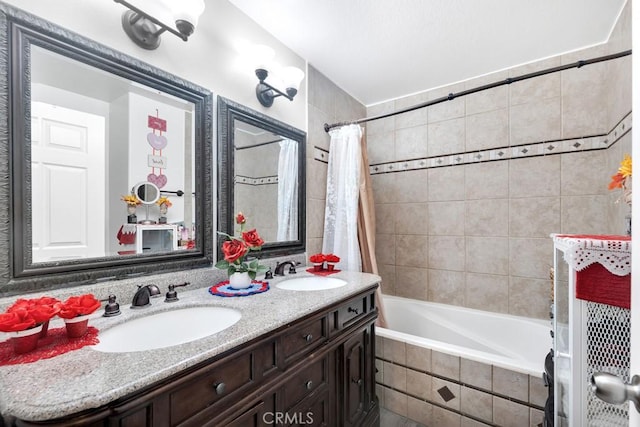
x=280, y=268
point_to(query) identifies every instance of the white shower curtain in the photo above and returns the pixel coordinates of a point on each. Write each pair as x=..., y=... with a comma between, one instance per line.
x=288, y=191
x=343, y=186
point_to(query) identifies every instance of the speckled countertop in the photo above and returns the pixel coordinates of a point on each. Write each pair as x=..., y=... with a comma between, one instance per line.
x=87, y=378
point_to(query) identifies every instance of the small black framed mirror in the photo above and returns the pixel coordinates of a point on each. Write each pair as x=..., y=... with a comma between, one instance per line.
x=261, y=173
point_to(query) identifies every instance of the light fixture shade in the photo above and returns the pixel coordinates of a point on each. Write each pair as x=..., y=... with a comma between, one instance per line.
x=186, y=10
x=291, y=77
x=262, y=57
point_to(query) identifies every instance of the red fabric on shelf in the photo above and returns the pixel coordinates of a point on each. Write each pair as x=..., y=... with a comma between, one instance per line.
x=595, y=283
x=322, y=272
x=55, y=343
x=126, y=238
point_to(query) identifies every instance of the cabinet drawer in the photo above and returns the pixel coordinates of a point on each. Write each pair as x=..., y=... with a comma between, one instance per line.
x=304, y=338
x=351, y=312
x=305, y=382
x=227, y=379
x=314, y=411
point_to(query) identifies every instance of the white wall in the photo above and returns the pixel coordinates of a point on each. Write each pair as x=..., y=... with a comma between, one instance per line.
x=209, y=59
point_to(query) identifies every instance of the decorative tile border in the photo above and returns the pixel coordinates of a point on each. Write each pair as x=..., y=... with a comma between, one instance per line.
x=544, y=148
x=261, y=180
x=320, y=154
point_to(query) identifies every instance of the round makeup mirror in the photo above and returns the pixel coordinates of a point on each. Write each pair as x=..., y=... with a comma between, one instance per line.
x=147, y=192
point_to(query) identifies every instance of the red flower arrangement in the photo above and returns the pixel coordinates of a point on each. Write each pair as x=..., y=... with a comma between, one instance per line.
x=317, y=259
x=28, y=313
x=235, y=250
x=79, y=306
x=332, y=258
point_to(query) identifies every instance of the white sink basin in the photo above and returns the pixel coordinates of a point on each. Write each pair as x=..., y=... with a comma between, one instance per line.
x=166, y=329
x=313, y=283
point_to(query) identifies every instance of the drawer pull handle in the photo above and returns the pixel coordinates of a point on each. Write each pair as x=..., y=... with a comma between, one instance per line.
x=308, y=385
x=219, y=388
x=357, y=381
x=353, y=310
x=308, y=337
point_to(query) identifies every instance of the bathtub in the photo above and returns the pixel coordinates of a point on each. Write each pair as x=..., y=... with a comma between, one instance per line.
x=511, y=342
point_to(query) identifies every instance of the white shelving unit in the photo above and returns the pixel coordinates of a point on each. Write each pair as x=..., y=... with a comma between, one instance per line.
x=156, y=238
x=588, y=336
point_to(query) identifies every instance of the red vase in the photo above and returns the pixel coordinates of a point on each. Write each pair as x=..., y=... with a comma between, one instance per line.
x=25, y=341
x=45, y=329
x=77, y=326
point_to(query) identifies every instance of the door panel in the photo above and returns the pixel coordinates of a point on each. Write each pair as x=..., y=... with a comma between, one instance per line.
x=68, y=190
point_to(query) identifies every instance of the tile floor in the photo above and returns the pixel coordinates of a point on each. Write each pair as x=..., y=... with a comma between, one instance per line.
x=391, y=419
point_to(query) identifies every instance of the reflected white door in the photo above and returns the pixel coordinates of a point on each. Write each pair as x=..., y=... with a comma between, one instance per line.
x=68, y=183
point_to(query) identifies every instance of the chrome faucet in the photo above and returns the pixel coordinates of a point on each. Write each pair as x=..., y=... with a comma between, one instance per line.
x=279, y=271
x=143, y=296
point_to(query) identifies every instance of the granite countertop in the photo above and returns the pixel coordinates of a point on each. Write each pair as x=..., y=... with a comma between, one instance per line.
x=86, y=378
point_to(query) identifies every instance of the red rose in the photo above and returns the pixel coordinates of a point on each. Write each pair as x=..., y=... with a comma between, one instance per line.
x=317, y=258
x=20, y=304
x=332, y=258
x=41, y=309
x=252, y=239
x=15, y=321
x=78, y=306
x=42, y=313
x=240, y=219
x=233, y=249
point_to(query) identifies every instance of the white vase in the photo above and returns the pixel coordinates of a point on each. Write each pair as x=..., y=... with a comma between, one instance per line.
x=240, y=280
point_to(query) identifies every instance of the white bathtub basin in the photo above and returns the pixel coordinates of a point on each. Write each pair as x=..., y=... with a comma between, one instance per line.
x=314, y=283
x=166, y=329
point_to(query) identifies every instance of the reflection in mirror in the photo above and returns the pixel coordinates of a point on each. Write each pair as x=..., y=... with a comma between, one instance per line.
x=266, y=181
x=264, y=162
x=95, y=135
x=86, y=124
x=147, y=192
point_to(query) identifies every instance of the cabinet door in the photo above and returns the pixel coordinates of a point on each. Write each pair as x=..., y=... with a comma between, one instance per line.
x=261, y=414
x=357, y=377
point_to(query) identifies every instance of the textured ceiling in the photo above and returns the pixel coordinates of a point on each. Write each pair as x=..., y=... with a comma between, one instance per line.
x=378, y=50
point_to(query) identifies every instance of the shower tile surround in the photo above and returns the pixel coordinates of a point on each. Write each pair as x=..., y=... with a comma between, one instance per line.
x=468, y=191
x=477, y=184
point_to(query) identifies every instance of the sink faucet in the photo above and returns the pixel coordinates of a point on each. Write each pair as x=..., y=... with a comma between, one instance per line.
x=143, y=296
x=280, y=268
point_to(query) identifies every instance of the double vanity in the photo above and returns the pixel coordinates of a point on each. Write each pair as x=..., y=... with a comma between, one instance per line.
x=304, y=356
x=301, y=353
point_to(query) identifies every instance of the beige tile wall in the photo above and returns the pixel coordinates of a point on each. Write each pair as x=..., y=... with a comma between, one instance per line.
x=327, y=104
x=477, y=235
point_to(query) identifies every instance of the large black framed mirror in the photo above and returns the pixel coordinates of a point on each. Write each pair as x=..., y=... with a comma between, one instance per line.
x=82, y=125
x=261, y=173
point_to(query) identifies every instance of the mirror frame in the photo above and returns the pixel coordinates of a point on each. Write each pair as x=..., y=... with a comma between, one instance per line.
x=20, y=30
x=228, y=111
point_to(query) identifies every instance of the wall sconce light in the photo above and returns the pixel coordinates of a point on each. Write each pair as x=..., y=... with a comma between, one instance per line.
x=145, y=30
x=289, y=77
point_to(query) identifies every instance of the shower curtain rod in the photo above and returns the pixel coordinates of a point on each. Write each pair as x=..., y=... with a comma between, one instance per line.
x=507, y=81
x=259, y=144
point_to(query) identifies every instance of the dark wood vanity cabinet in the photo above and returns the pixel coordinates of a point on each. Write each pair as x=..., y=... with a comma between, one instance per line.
x=317, y=371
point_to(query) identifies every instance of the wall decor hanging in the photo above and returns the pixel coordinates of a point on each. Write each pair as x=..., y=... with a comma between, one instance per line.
x=158, y=142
